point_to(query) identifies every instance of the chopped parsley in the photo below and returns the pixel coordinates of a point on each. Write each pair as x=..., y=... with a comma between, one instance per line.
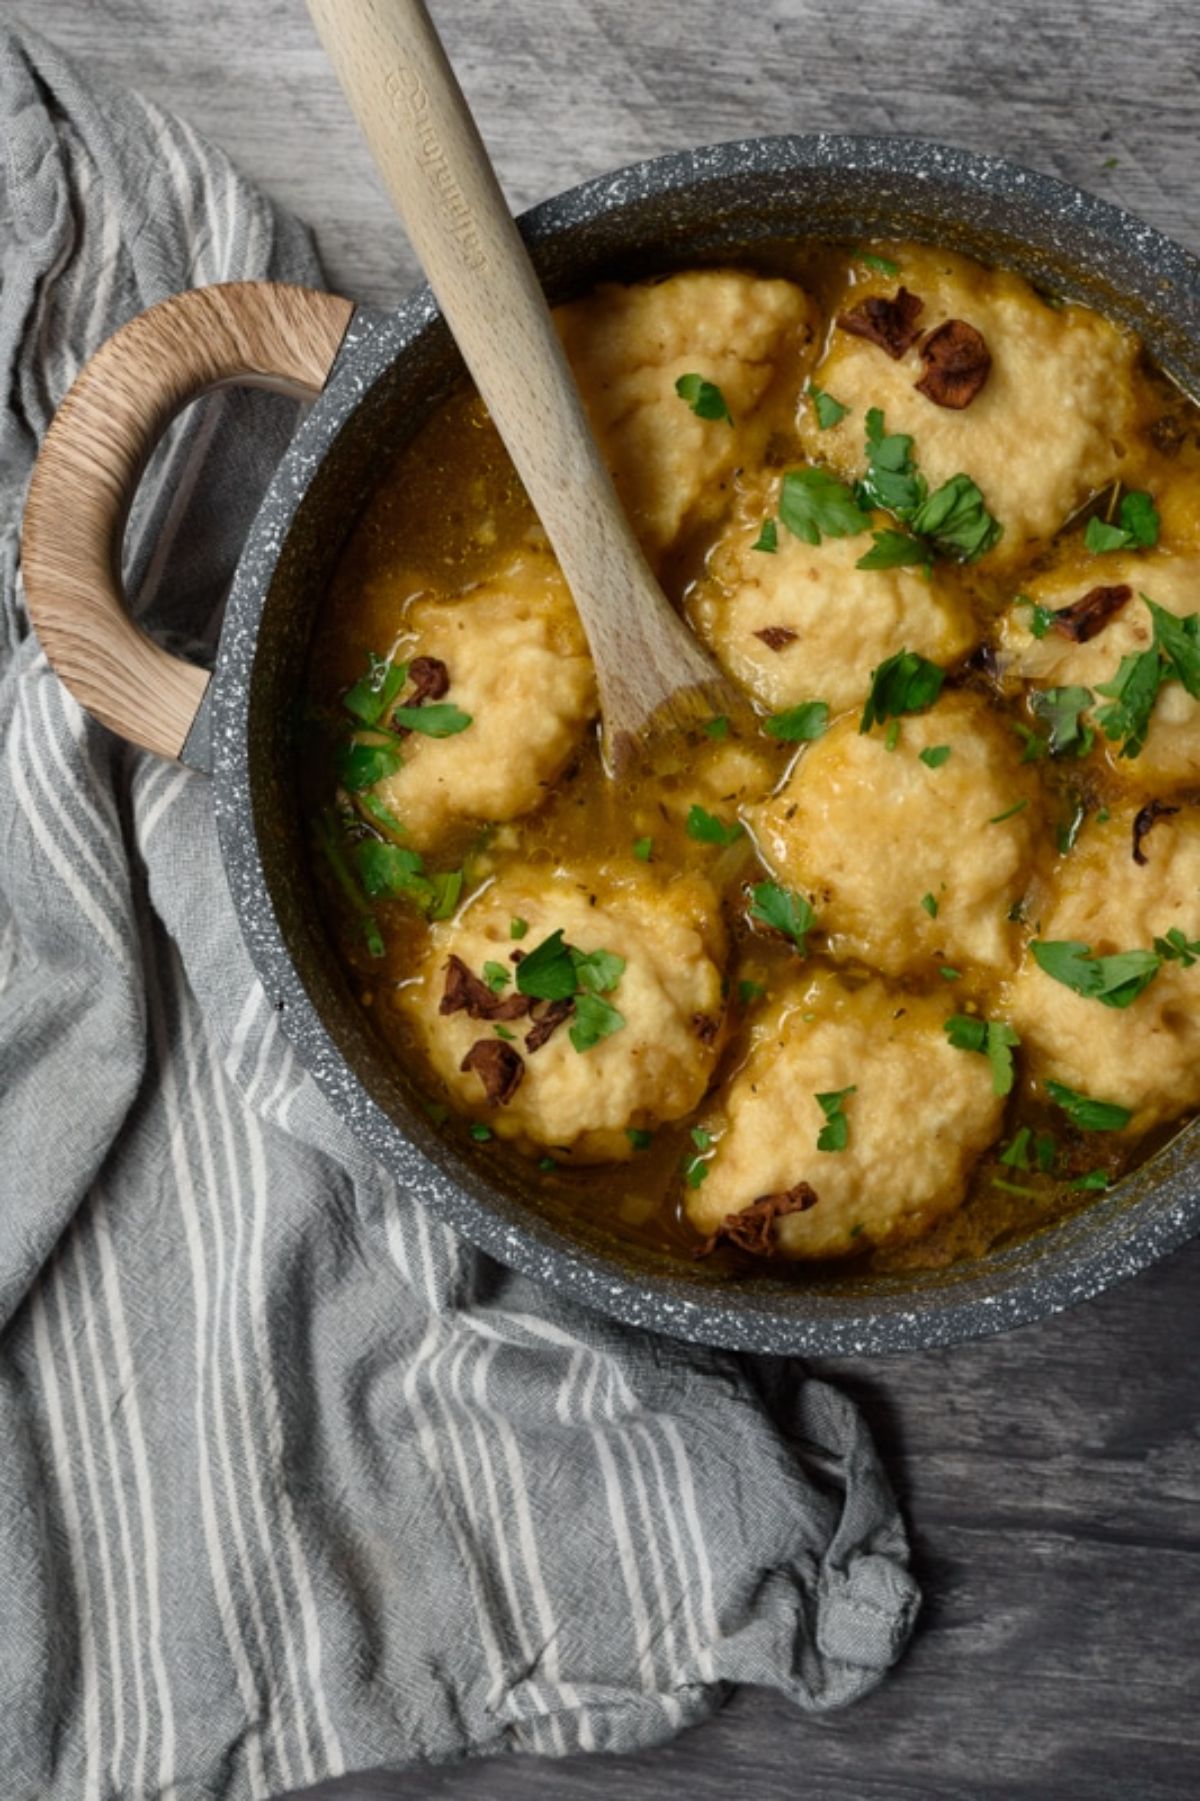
x=894, y=550
x=835, y=1133
x=992, y=1038
x=1175, y=654
x=956, y=521
x=891, y=480
x=389, y=871
x=441, y=719
x=639, y=1138
x=812, y=502
x=480, y=1133
x=497, y=977
x=547, y=1164
x=750, y=991
x=934, y=755
x=798, y=724
x=1116, y=981
x=892, y=735
x=375, y=809
x=1176, y=947
x=1087, y=1114
x=882, y=265
x=594, y=1018
x=1040, y=618
x=1098, y=1179
x=555, y=971
x=704, y=397
x=643, y=849
x=695, y=1171
x=517, y=928
x=904, y=683
x=1136, y=528
x=768, y=537
x=1011, y=813
x=503, y=1032
x=950, y=975
x=706, y=828
x=829, y=411
x=930, y=905
x=1061, y=709
x=374, y=693
x=361, y=764
x=784, y=911
x=717, y=727
x=700, y=1138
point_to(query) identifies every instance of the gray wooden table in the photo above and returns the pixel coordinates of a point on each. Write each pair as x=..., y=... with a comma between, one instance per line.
x=1052, y=1477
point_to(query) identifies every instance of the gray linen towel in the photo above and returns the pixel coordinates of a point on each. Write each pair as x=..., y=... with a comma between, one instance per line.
x=291, y=1480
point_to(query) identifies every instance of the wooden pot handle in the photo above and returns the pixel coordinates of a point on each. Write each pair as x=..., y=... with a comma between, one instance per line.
x=253, y=333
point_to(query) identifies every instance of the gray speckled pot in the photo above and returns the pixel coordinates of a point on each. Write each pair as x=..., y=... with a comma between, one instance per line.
x=732, y=200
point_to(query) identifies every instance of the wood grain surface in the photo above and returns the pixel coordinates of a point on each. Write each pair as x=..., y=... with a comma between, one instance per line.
x=1051, y=1477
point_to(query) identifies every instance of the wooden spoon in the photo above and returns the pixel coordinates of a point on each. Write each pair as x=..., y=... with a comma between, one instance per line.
x=650, y=670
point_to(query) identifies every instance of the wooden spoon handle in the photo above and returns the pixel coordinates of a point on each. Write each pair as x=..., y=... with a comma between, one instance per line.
x=256, y=333
x=391, y=64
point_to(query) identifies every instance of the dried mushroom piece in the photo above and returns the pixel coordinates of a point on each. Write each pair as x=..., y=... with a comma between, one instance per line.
x=547, y=1022
x=751, y=1228
x=957, y=364
x=498, y=1066
x=1085, y=618
x=892, y=324
x=465, y=992
x=776, y=637
x=1144, y=822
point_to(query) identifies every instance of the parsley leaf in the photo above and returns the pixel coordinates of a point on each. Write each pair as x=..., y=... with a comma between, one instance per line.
x=704, y=397
x=1179, y=641
x=643, y=849
x=592, y=1020
x=798, y=724
x=596, y=972
x=706, y=828
x=1176, y=947
x=894, y=550
x=904, y=683
x=391, y=872
x=750, y=991
x=835, y=1133
x=442, y=719
x=934, y=755
x=1040, y=618
x=1099, y=536
x=812, y=501
x=547, y=973
x=768, y=538
x=1016, y=1154
x=1137, y=526
x=1115, y=980
x=361, y=765
x=517, y=928
x=497, y=977
x=828, y=410
x=1133, y=692
x=480, y=1133
x=882, y=265
x=696, y=1171
x=639, y=1138
x=1061, y=710
x=1087, y=1114
x=785, y=911
x=929, y=902
x=891, y=480
x=955, y=518
x=1009, y=812
x=372, y=695
x=993, y=1038
x=716, y=728
x=1096, y=1178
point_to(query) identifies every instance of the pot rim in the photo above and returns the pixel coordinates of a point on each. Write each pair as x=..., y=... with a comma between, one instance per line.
x=1155, y=1211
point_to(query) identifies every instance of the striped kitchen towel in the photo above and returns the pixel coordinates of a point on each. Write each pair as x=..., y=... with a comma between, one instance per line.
x=293, y=1481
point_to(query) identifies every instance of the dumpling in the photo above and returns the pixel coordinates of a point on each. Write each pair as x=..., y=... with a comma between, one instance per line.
x=517, y=663
x=918, y=1113
x=803, y=623
x=910, y=865
x=1050, y=425
x=629, y=345
x=654, y=1066
x=1145, y=1056
x=1116, y=583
